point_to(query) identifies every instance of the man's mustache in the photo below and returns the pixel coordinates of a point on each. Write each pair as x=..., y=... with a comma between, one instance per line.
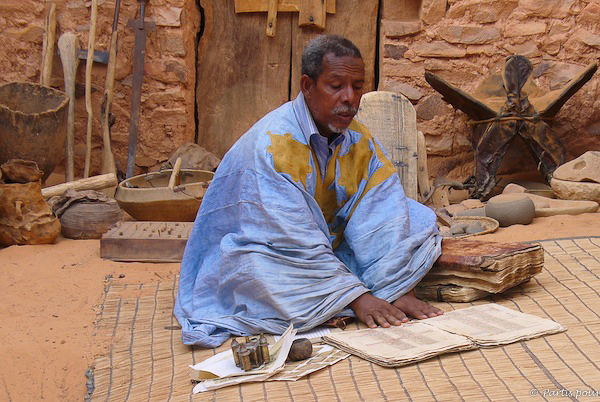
x=344, y=110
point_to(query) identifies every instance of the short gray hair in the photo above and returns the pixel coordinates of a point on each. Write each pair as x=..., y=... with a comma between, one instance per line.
x=316, y=49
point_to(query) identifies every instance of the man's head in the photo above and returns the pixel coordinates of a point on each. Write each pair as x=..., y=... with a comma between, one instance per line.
x=333, y=76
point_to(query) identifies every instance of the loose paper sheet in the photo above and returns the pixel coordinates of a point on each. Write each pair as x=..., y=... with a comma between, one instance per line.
x=220, y=370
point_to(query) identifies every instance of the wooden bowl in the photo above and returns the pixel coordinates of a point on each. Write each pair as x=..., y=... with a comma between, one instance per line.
x=148, y=197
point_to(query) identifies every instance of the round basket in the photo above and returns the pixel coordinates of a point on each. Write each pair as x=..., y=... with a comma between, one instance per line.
x=89, y=220
x=489, y=225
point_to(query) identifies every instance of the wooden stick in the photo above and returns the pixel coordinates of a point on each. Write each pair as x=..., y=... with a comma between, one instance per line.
x=89, y=183
x=48, y=46
x=173, y=180
x=88, y=88
x=422, y=171
x=68, y=46
x=108, y=159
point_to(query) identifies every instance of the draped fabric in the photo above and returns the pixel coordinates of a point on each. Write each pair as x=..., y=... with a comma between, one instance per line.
x=276, y=243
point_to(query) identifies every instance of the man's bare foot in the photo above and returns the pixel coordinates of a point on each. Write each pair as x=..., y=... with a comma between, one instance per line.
x=374, y=311
x=411, y=306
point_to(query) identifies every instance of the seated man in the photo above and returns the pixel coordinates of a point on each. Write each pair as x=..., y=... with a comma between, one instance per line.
x=306, y=220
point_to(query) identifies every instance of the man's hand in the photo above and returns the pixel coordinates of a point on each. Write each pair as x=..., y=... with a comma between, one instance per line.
x=373, y=311
x=416, y=308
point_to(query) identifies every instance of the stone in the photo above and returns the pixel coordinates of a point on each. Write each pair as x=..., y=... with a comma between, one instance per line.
x=31, y=33
x=552, y=44
x=393, y=51
x=487, y=50
x=472, y=212
x=590, y=14
x=472, y=203
x=172, y=43
x=432, y=106
x=397, y=29
x=445, y=231
x=529, y=187
x=560, y=28
x=576, y=190
x=402, y=68
x=194, y=156
x=169, y=71
x=474, y=227
x=548, y=8
x=409, y=91
x=585, y=168
x=510, y=211
x=527, y=49
x=167, y=16
x=439, y=145
x=587, y=38
x=558, y=74
x=469, y=35
x=545, y=206
x=527, y=29
x=459, y=228
x=433, y=11
x=438, y=49
x=482, y=11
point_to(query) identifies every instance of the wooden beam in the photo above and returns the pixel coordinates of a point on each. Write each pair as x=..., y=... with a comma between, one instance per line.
x=312, y=13
x=272, y=18
x=253, y=6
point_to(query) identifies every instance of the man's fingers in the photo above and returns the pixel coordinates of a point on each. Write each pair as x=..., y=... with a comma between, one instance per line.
x=368, y=319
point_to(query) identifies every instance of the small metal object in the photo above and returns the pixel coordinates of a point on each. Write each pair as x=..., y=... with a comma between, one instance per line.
x=235, y=349
x=245, y=362
x=251, y=354
x=264, y=348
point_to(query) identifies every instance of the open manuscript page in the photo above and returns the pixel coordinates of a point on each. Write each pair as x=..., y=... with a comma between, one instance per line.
x=485, y=325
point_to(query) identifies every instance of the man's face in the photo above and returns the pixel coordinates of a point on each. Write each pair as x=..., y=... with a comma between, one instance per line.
x=334, y=97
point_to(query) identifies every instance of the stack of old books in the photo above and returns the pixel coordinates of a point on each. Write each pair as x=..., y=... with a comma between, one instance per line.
x=470, y=269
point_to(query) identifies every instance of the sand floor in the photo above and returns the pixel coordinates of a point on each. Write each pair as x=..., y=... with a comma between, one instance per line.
x=51, y=295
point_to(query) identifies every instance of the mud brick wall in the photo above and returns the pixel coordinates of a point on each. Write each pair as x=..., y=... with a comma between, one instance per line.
x=167, y=113
x=464, y=41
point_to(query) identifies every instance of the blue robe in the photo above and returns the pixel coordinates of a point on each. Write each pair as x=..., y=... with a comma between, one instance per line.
x=275, y=243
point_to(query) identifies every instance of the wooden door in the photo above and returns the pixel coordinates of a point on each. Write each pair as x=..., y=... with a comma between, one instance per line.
x=243, y=74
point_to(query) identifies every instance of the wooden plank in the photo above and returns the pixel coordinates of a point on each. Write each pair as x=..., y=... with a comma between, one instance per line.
x=242, y=74
x=392, y=120
x=354, y=19
x=253, y=6
x=312, y=12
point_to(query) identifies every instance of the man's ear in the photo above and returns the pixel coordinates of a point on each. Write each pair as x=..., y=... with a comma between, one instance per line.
x=306, y=85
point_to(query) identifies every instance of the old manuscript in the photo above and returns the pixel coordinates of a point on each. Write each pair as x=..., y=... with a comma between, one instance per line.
x=486, y=325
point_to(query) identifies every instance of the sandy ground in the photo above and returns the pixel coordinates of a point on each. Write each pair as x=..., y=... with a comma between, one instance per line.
x=51, y=294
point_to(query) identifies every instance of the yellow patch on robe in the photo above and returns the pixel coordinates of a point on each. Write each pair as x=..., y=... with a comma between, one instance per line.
x=290, y=156
x=293, y=157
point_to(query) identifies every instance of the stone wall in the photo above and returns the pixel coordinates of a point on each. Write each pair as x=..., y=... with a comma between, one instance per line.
x=167, y=113
x=465, y=41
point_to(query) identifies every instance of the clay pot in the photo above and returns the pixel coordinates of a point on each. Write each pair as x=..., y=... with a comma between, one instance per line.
x=33, y=124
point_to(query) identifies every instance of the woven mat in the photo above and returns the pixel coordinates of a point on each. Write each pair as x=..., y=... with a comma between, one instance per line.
x=147, y=360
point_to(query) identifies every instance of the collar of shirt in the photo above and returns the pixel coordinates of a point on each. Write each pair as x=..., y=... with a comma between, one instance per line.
x=319, y=144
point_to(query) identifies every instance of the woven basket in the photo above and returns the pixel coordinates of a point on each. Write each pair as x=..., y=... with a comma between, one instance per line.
x=489, y=225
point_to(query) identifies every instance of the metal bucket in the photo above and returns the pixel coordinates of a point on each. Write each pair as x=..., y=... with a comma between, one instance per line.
x=33, y=124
